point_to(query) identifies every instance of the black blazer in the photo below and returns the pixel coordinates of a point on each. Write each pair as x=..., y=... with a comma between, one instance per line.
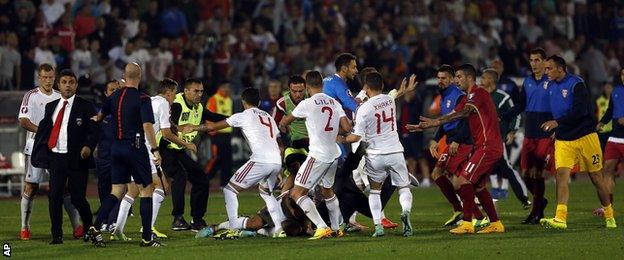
x=81, y=131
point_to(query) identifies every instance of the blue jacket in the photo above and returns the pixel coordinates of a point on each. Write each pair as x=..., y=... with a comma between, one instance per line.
x=337, y=88
x=571, y=108
x=535, y=100
x=615, y=111
x=455, y=131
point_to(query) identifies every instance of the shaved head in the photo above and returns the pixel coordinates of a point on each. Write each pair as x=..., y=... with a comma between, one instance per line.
x=132, y=73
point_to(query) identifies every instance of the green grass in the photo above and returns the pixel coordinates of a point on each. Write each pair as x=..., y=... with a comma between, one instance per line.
x=584, y=239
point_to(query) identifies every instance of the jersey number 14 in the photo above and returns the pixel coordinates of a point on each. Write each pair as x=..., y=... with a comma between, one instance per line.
x=385, y=119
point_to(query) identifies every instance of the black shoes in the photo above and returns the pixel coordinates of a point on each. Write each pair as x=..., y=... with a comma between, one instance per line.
x=96, y=237
x=198, y=225
x=179, y=224
x=56, y=241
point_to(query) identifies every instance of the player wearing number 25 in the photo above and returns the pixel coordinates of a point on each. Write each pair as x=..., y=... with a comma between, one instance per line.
x=576, y=141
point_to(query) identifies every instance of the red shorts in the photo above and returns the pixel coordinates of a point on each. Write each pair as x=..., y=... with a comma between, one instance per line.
x=480, y=164
x=537, y=152
x=453, y=163
x=614, y=151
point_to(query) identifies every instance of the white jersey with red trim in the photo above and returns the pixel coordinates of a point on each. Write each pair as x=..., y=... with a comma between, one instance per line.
x=261, y=132
x=322, y=116
x=33, y=109
x=375, y=123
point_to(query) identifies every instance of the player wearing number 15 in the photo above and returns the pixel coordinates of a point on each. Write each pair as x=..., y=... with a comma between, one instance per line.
x=324, y=116
x=576, y=141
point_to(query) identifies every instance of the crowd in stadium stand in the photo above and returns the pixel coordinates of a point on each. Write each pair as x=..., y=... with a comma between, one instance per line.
x=248, y=42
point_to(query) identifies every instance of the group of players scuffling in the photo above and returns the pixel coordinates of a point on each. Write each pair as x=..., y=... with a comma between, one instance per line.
x=320, y=136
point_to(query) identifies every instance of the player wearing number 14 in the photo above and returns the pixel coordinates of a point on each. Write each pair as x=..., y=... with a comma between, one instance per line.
x=261, y=133
x=375, y=123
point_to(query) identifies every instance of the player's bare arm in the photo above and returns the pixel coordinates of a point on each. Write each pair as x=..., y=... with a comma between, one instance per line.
x=151, y=138
x=28, y=125
x=430, y=122
x=171, y=137
x=621, y=121
x=433, y=148
x=345, y=125
x=285, y=122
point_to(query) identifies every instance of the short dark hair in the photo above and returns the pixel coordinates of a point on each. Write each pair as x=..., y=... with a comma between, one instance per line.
x=364, y=72
x=468, y=70
x=448, y=69
x=251, y=96
x=343, y=60
x=559, y=62
x=189, y=81
x=374, y=81
x=492, y=73
x=167, y=84
x=296, y=79
x=68, y=73
x=112, y=81
x=538, y=51
x=314, y=79
x=45, y=67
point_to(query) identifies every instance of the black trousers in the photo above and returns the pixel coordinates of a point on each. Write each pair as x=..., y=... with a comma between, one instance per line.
x=63, y=171
x=180, y=167
x=105, y=186
x=222, y=160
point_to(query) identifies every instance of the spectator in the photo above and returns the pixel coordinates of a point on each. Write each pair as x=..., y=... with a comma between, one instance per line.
x=81, y=59
x=10, y=62
x=66, y=33
x=596, y=65
x=119, y=57
x=274, y=92
x=84, y=24
x=141, y=56
x=24, y=27
x=173, y=22
x=52, y=11
x=160, y=65
x=131, y=24
x=531, y=31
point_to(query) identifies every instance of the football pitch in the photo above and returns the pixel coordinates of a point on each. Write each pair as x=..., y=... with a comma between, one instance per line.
x=584, y=239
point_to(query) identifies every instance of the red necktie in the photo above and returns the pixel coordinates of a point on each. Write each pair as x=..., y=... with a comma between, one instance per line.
x=57, y=127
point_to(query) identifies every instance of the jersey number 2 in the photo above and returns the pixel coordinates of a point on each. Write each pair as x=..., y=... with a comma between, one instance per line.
x=331, y=113
x=267, y=123
x=385, y=119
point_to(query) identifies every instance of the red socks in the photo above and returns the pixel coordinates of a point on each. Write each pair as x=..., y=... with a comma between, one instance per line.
x=447, y=189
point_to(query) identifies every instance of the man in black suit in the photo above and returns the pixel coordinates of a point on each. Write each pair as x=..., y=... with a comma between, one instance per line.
x=63, y=144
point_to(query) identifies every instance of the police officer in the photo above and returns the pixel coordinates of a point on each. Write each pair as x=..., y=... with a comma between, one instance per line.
x=132, y=120
x=188, y=114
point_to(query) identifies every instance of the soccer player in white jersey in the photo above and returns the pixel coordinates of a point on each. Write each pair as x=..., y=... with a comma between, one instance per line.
x=261, y=132
x=161, y=103
x=375, y=123
x=324, y=118
x=32, y=111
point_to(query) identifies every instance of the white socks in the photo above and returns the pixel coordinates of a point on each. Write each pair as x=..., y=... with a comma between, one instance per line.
x=122, y=216
x=494, y=181
x=274, y=210
x=26, y=207
x=72, y=212
x=374, y=202
x=333, y=206
x=157, y=198
x=309, y=209
x=231, y=204
x=505, y=184
x=405, y=199
x=353, y=217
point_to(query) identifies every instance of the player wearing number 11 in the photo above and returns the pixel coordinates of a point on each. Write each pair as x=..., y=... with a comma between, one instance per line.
x=263, y=166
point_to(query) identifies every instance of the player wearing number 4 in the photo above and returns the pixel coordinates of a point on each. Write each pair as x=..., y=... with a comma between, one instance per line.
x=376, y=124
x=576, y=141
x=263, y=166
x=324, y=116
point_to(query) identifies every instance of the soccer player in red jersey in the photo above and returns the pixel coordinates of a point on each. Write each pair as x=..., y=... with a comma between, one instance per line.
x=480, y=112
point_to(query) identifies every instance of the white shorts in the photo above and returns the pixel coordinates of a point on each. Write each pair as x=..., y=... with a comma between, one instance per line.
x=378, y=166
x=33, y=174
x=252, y=173
x=313, y=172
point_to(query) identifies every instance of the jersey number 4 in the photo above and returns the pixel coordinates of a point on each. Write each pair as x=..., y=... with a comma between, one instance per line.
x=267, y=123
x=331, y=113
x=385, y=119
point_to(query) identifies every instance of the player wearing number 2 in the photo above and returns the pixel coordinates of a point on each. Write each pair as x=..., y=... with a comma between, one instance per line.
x=376, y=124
x=260, y=131
x=324, y=116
